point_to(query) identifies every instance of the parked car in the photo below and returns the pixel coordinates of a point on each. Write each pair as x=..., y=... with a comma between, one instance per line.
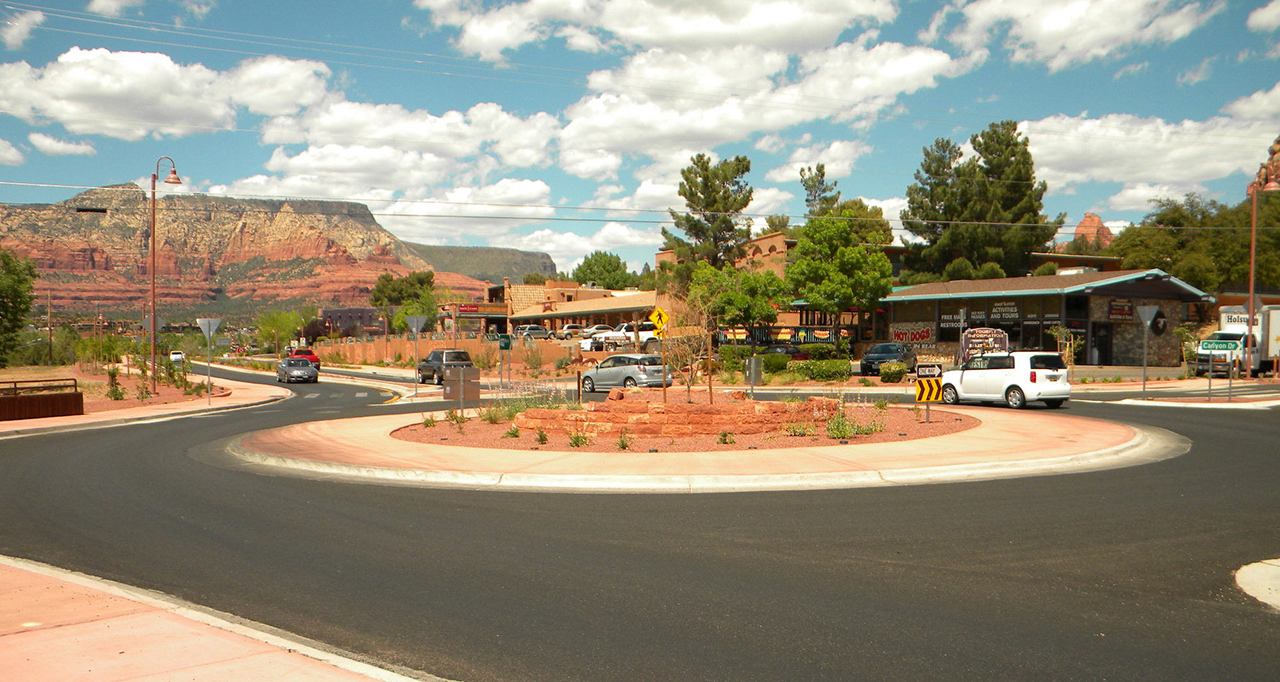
x=626, y=370
x=596, y=329
x=888, y=352
x=532, y=331
x=290, y=370
x=793, y=351
x=308, y=355
x=177, y=357
x=624, y=335
x=569, y=331
x=1016, y=377
x=437, y=360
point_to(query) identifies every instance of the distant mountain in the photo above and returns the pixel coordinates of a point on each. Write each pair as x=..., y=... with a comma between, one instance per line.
x=484, y=262
x=94, y=248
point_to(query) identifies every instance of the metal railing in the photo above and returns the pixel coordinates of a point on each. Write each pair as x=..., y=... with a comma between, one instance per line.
x=31, y=386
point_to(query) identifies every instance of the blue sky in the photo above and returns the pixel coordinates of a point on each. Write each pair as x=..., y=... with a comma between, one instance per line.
x=562, y=125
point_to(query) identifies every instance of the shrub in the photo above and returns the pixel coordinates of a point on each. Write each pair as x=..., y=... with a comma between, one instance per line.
x=775, y=362
x=531, y=356
x=730, y=377
x=429, y=422
x=563, y=362
x=734, y=365
x=114, y=391
x=783, y=378
x=893, y=372
x=512, y=432
x=819, y=351
x=725, y=438
x=624, y=440
x=485, y=358
x=578, y=440
x=732, y=353
x=494, y=413
x=838, y=426
x=866, y=382
x=541, y=437
x=822, y=370
x=799, y=429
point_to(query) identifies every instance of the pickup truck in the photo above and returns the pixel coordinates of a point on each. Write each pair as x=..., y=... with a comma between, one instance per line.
x=623, y=336
x=434, y=364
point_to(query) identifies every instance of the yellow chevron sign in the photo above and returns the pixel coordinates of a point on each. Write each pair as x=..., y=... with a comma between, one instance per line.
x=928, y=390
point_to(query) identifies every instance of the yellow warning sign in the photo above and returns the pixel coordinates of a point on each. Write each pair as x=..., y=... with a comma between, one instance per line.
x=928, y=390
x=659, y=318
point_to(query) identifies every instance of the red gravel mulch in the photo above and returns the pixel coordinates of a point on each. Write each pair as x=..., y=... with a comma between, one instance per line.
x=899, y=423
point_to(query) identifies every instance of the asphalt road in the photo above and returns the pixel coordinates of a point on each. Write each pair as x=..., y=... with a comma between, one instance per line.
x=1117, y=575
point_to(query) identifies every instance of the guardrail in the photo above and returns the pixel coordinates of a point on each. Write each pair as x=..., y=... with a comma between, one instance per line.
x=25, y=386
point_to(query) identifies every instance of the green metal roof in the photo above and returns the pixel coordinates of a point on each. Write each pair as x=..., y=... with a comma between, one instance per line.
x=1047, y=285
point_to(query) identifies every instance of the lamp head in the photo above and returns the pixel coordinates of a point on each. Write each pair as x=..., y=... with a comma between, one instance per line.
x=1272, y=186
x=173, y=178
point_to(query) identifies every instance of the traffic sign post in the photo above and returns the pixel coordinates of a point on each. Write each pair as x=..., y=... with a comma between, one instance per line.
x=209, y=325
x=660, y=318
x=928, y=391
x=415, y=322
x=1147, y=313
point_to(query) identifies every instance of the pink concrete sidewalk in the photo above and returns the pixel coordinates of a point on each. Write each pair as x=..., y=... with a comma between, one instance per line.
x=242, y=394
x=57, y=626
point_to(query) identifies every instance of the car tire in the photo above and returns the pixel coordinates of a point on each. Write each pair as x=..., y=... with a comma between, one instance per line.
x=437, y=378
x=652, y=346
x=628, y=383
x=1015, y=398
x=1054, y=404
x=610, y=346
x=588, y=386
x=950, y=396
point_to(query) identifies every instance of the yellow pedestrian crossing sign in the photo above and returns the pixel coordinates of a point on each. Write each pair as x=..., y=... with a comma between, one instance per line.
x=928, y=390
x=659, y=318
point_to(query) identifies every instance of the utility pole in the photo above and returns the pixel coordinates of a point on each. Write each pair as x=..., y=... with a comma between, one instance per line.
x=48, y=311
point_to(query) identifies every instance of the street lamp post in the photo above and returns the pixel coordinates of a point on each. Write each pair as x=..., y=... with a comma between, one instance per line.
x=1264, y=181
x=172, y=179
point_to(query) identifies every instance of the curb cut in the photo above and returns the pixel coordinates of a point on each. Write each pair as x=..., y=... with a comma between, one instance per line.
x=1261, y=580
x=1147, y=446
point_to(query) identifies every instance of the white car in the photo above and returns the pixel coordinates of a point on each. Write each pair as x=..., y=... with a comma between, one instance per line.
x=177, y=357
x=623, y=335
x=1016, y=377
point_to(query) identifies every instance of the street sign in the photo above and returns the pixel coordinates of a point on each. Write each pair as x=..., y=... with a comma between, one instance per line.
x=209, y=325
x=1219, y=345
x=416, y=322
x=932, y=369
x=659, y=318
x=504, y=342
x=928, y=390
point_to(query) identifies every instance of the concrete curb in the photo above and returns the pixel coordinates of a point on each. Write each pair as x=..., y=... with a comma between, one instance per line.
x=222, y=621
x=1261, y=581
x=1147, y=446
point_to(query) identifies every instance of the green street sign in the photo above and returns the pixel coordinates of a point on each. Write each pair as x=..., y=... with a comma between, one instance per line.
x=504, y=342
x=1219, y=345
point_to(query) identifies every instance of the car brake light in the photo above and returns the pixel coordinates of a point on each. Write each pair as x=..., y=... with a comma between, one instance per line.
x=1033, y=377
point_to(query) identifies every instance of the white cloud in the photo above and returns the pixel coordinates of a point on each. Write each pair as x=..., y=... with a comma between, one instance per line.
x=780, y=24
x=1266, y=18
x=9, y=154
x=1064, y=33
x=1262, y=105
x=1198, y=74
x=275, y=86
x=52, y=146
x=1138, y=196
x=1133, y=150
x=131, y=95
x=766, y=201
x=567, y=249
x=838, y=159
x=17, y=29
x=112, y=8
x=1131, y=70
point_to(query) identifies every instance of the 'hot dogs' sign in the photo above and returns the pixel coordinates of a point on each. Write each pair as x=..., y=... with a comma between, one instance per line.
x=912, y=332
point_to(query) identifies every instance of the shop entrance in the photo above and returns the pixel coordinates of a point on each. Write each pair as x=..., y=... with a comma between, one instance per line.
x=1100, y=344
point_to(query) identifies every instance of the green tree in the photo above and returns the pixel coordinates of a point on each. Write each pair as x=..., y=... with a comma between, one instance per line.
x=17, y=282
x=714, y=229
x=279, y=326
x=535, y=278
x=820, y=196
x=392, y=291
x=647, y=281
x=840, y=261
x=605, y=269
x=987, y=209
x=738, y=298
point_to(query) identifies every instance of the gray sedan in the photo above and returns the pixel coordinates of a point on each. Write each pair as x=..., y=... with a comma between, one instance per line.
x=296, y=369
x=626, y=371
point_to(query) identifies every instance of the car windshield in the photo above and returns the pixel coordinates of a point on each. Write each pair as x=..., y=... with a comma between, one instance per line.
x=883, y=349
x=649, y=360
x=297, y=362
x=1047, y=362
x=457, y=356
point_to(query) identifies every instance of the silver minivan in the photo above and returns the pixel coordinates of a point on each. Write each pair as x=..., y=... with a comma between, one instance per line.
x=627, y=371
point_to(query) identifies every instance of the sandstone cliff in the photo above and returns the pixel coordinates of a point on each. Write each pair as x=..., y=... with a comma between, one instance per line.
x=94, y=247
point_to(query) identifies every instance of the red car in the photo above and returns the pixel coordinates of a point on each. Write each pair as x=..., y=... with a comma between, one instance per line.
x=308, y=354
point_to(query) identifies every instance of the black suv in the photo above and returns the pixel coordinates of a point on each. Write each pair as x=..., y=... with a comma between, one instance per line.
x=435, y=362
x=888, y=352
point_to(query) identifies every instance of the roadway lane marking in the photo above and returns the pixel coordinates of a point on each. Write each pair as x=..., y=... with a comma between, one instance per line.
x=362, y=394
x=309, y=396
